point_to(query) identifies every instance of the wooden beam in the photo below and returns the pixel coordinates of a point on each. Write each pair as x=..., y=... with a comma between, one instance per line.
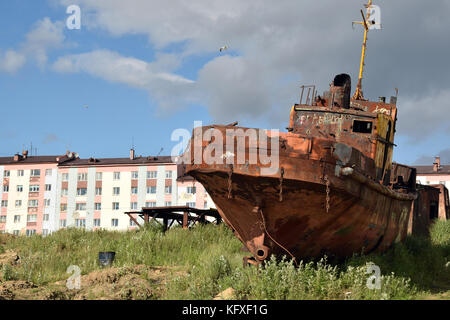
x=134, y=219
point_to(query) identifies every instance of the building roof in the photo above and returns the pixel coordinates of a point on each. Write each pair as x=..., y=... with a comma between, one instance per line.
x=428, y=170
x=116, y=161
x=29, y=160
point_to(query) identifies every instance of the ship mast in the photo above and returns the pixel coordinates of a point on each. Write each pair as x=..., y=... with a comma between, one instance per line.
x=358, y=93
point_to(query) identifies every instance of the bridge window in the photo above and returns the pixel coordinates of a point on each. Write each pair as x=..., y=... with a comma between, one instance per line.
x=362, y=126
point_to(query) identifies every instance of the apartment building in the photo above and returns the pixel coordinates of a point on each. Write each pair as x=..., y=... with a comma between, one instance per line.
x=43, y=194
x=29, y=193
x=434, y=174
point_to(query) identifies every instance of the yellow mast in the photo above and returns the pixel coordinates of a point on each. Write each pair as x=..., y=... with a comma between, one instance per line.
x=358, y=93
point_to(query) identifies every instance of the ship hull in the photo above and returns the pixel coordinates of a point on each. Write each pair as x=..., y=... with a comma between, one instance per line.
x=316, y=204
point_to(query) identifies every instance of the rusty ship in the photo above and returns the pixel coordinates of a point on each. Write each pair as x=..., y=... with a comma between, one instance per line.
x=335, y=190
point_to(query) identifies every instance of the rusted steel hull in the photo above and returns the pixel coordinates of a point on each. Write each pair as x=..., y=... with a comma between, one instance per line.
x=285, y=213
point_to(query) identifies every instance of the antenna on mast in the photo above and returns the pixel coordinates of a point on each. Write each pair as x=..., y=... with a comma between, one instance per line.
x=366, y=23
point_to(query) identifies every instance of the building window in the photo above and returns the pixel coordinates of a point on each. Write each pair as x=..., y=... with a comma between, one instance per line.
x=18, y=203
x=168, y=189
x=6, y=188
x=4, y=203
x=48, y=172
x=134, y=190
x=44, y=232
x=116, y=175
x=62, y=223
x=35, y=173
x=81, y=207
x=98, y=206
x=81, y=191
x=151, y=189
x=98, y=191
x=6, y=173
x=168, y=174
x=82, y=177
x=33, y=203
x=34, y=188
x=205, y=205
x=98, y=176
x=96, y=222
x=191, y=190
x=168, y=203
x=80, y=223
x=46, y=217
x=48, y=187
x=134, y=174
x=63, y=207
x=190, y=204
x=116, y=191
x=133, y=205
x=2, y=219
x=152, y=174
x=31, y=233
x=65, y=177
x=115, y=205
x=64, y=192
x=132, y=223
x=19, y=188
x=16, y=232
x=150, y=204
x=16, y=219
x=32, y=218
x=47, y=202
x=114, y=222
x=20, y=173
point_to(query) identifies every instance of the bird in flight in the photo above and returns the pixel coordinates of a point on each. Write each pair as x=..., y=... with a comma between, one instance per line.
x=223, y=48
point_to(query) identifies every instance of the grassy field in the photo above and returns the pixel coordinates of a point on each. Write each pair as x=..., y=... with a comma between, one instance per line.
x=204, y=261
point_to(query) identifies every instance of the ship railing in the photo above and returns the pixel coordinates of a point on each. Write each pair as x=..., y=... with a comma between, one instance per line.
x=310, y=95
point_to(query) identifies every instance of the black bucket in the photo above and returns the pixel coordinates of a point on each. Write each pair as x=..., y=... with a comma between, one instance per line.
x=105, y=259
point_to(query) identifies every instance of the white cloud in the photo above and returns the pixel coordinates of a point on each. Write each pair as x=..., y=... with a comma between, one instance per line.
x=165, y=87
x=45, y=35
x=11, y=61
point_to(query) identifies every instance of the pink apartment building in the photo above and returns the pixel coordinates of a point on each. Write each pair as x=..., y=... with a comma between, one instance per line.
x=41, y=194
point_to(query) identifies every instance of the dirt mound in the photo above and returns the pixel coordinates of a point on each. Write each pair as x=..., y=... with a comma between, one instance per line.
x=9, y=257
x=6, y=237
x=228, y=294
x=125, y=283
x=138, y=282
x=10, y=290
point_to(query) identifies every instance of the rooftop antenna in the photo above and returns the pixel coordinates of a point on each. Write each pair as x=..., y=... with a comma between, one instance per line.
x=160, y=152
x=367, y=23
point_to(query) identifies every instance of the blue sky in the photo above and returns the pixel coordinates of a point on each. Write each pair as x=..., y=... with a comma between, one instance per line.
x=146, y=68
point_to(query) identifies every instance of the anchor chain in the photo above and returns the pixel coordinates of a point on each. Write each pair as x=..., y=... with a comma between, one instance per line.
x=327, y=198
x=281, y=184
x=229, y=181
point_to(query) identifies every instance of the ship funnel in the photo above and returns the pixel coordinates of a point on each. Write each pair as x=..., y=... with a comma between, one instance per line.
x=340, y=91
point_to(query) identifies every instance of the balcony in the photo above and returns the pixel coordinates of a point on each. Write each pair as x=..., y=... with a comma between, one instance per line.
x=34, y=179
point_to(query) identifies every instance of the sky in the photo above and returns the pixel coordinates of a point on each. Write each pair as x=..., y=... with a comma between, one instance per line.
x=137, y=70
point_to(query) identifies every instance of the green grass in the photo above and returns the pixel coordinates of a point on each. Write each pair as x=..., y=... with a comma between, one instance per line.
x=212, y=257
